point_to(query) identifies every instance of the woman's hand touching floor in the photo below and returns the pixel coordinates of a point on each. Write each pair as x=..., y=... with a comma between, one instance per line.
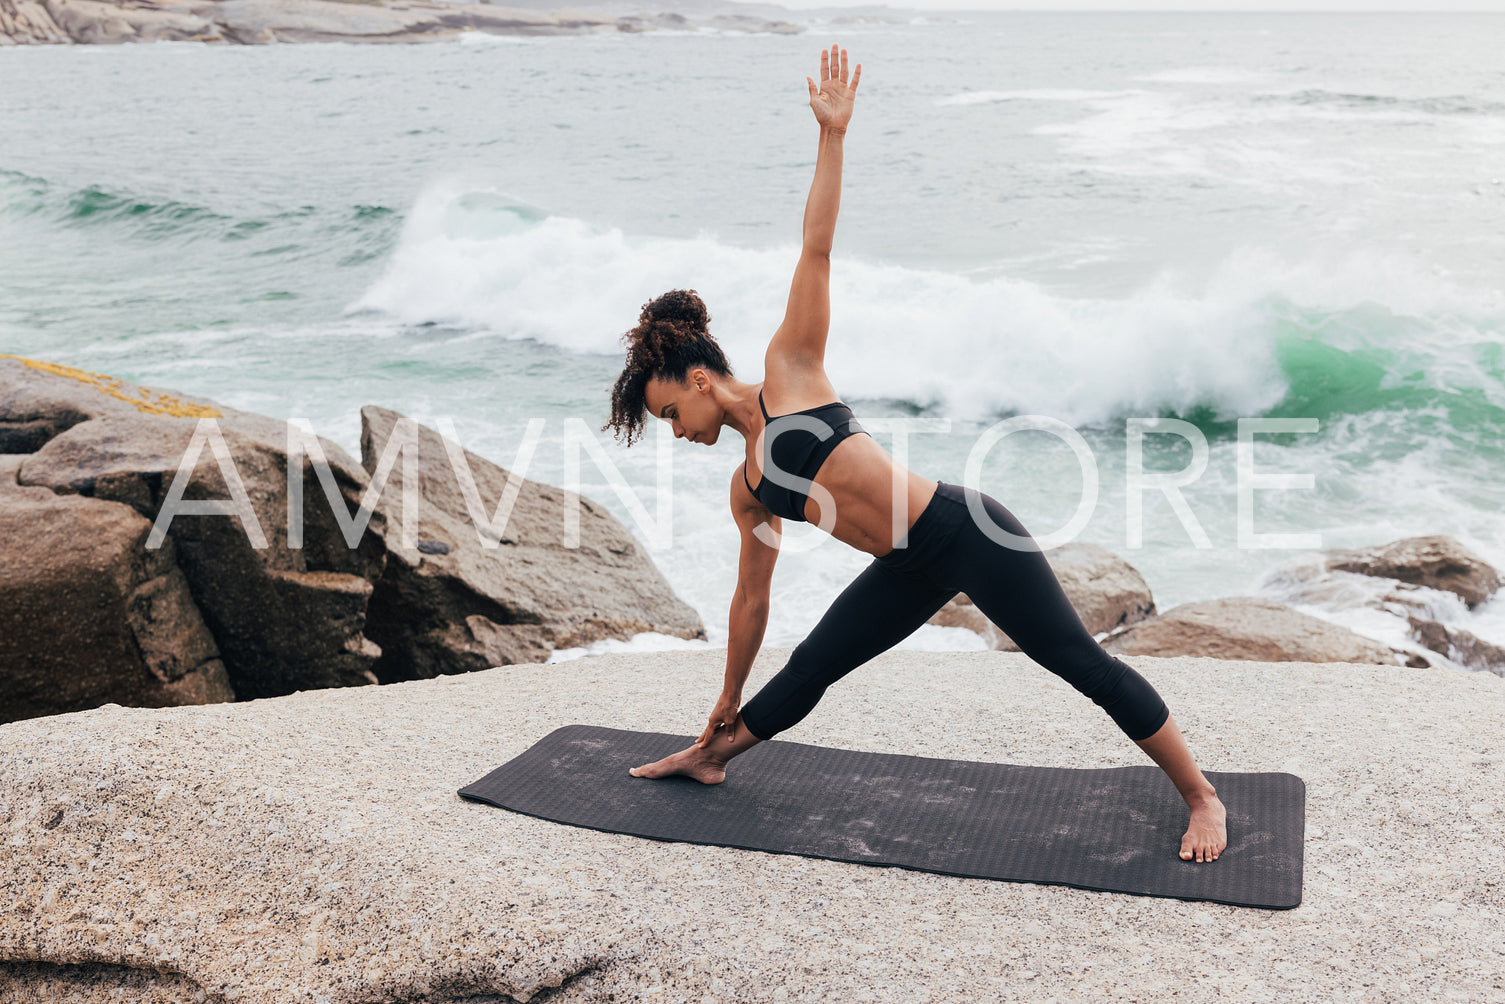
x=707, y=763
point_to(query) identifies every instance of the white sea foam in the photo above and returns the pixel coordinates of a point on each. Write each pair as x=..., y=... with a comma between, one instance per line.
x=646, y=641
x=1205, y=75
x=488, y=38
x=1042, y=94
x=1271, y=140
x=474, y=257
x=1374, y=606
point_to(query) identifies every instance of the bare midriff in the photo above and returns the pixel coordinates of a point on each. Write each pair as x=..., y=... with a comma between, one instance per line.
x=860, y=476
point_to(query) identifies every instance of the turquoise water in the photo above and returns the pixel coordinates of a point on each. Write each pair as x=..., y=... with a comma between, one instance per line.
x=1091, y=218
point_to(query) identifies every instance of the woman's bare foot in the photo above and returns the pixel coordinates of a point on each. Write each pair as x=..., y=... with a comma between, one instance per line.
x=1207, y=834
x=706, y=764
x=695, y=762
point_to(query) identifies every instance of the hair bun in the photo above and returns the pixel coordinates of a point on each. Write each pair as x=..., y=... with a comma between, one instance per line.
x=678, y=305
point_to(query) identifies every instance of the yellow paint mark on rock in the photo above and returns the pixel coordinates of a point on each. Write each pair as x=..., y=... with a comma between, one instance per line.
x=148, y=401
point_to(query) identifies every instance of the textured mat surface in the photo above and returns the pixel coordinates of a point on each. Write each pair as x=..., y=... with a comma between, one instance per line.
x=1116, y=829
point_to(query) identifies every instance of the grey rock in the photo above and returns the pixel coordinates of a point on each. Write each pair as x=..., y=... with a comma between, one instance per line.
x=1107, y=592
x=1459, y=645
x=284, y=619
x=89, y=23
x=28, y=22
x=451, y=604
x=106, y=22
x=1244, y=627
x=742, y=22
x=1436, y=562
x=1424, y=586
x=312, y=848
x=89, y=615
x=961, y=612
x=35, y=397
x=263, y=22
x=254, y=22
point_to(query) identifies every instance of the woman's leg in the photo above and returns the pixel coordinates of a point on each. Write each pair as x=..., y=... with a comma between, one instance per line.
x=1018, y=591
x=879, y=609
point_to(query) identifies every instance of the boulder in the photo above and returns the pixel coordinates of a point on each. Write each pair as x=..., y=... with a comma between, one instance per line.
x=1459, y=645
x=1421, y=588
x=1107, y=592
x=89, y=615
x=284, y=619
x=451, y=604
x=254, y=22
x=961, y=612
x=28, y=22
x=1436, y=562
x=1244, y=627
x=115, y=21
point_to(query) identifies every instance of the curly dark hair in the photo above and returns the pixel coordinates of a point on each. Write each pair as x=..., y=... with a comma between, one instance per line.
x=671, y=339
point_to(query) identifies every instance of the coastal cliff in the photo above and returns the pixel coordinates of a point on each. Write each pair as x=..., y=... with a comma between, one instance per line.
x=262, y=22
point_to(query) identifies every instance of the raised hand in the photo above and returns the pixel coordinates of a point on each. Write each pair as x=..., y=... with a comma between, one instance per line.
x=832, y=101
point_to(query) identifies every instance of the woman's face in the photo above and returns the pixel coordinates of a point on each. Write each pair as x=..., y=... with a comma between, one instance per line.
x=687, y=406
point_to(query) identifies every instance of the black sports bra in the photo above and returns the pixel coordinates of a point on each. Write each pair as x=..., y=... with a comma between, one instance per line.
x=798, y=452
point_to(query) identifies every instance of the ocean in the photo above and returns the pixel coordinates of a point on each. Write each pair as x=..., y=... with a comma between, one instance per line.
x=1073, y=220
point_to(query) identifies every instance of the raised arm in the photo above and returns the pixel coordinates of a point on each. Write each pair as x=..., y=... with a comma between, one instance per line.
x=801, y=339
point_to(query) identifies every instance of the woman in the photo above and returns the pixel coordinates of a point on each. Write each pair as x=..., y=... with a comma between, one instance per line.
x=808, y=459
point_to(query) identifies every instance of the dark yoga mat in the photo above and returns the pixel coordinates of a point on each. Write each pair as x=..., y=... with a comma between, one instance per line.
x=1116, y=829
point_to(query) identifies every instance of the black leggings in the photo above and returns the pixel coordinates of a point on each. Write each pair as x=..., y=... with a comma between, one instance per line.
x=946, y=553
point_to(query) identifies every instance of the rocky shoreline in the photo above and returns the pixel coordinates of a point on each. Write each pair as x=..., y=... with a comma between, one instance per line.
x=154, y=559
x=231, y=606
x=310, y=846
x=263, y=22
x=1410, y=580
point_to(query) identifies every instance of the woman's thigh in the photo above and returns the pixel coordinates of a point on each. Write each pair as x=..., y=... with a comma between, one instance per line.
x=1018, y=591
x=876, y=611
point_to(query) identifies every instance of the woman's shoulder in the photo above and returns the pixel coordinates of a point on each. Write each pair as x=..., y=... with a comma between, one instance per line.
x=784, y=393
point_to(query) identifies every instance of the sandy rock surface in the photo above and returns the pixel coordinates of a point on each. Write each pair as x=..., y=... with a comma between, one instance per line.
x=312, y=848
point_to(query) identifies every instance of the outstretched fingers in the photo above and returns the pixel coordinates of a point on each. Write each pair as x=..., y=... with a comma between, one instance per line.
x=833, y=69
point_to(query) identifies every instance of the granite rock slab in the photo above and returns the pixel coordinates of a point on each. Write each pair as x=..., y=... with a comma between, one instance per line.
x=313, y=848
